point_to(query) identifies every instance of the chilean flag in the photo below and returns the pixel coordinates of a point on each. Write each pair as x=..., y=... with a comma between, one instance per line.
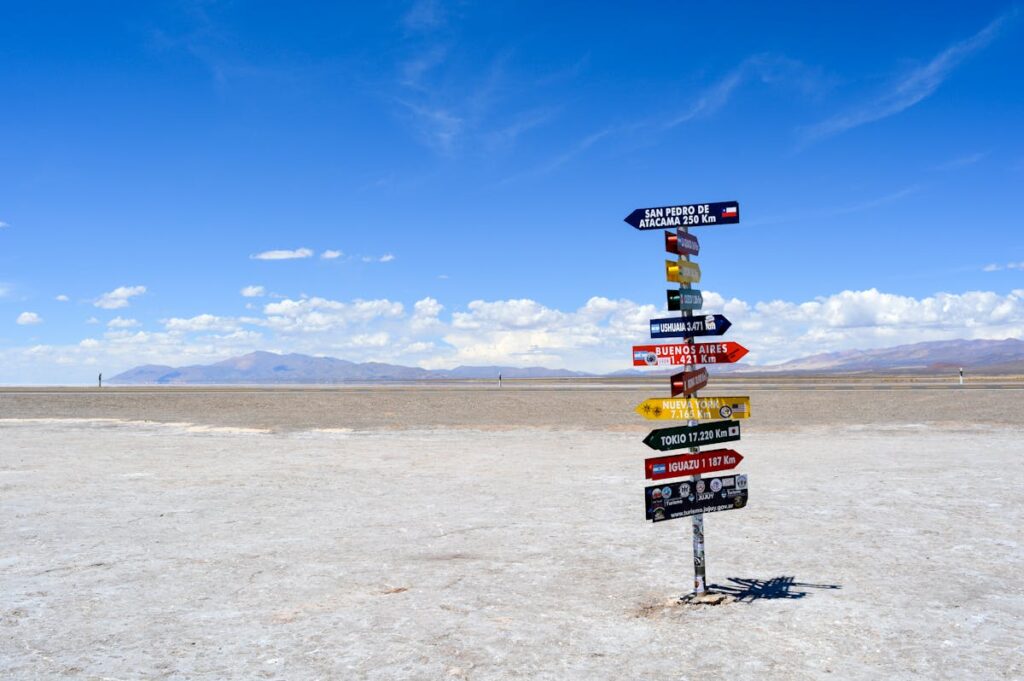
x=729, y=212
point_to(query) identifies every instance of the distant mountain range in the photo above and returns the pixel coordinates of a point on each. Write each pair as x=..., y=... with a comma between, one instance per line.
x=998, y=357
x=975, y=356
x=269, y=367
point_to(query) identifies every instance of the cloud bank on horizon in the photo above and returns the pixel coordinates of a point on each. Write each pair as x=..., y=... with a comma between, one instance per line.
x=594, y=337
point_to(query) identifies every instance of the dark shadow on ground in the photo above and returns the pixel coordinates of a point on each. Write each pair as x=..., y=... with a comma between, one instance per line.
x=751, y=590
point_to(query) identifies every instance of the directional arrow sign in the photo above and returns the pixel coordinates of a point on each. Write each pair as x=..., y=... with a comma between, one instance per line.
x=684, y=353
x=690, y=215
x=666, y=439
x=681, y=243
x=678, y=465
x=705, y=325
x=688, y=382
x=681, y=499
x=696, y=408
x=682, y=272
x=685, y=299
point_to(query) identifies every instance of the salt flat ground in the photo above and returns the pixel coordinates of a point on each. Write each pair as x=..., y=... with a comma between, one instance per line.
x=258, y=535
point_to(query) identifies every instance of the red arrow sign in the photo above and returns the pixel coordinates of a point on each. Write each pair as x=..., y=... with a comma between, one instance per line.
x=681, y=243
x=684, y=353
x=679, y=465
x=689, y=382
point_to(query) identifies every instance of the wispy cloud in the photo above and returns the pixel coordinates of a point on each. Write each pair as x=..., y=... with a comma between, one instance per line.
x=119, y=297
x=298, y=253
x=331, y=255
x=424, y=15
x=912, y=88
x=770, y=69
x=62, y=298
x=962, y=161
x=387, y=257
x=3, y=224
x=253, y=292
x=1008, y=266
x=834, y=211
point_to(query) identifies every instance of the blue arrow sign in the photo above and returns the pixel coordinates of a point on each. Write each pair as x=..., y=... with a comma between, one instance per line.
x=687, y=327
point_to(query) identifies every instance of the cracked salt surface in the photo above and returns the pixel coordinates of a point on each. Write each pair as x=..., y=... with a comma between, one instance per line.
x=140, y=550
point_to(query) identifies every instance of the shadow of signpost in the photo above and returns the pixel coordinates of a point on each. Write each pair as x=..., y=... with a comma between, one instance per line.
x=751, y=590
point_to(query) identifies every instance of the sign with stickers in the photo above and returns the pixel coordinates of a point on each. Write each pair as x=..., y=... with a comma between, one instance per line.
x=706, y=495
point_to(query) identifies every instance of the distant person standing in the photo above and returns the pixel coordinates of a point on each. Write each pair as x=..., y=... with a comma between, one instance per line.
x=961, y=375
x=499, y=379
x=101, y=380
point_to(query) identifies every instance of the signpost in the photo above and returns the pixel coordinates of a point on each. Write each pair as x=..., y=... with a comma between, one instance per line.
x=681, y=243
x=706, y=325
x=689, y=215
x=687, y=299
x=695, y=408
x=687, y=353
x=697, y=495
x=716, y=432
x=701, y=495
x=677, y=465
x=682, y=272
x=688, y=382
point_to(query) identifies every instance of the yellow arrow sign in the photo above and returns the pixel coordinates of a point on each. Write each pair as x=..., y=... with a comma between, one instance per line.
x=682, y=272
x=679, y=408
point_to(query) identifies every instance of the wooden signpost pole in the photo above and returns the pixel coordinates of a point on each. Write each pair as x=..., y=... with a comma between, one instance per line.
x=699, y=567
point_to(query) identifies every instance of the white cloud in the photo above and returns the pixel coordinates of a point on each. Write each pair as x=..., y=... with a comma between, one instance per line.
x=314, y=315
x=283, y=254
x=119, y=297
x=253, y=291
x=3, y=224
x=913, y=87
x=331, y=255
x=203, y=322
x=62, y=298
x=92, y=320
x=387, y=257
x=122, y=323
x=27, y=318
x=995, y=267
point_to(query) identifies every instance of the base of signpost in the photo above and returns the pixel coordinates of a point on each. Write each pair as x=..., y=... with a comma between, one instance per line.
x=707, y=598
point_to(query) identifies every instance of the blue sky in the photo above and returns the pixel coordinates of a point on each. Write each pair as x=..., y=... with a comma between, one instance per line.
x=472, y=163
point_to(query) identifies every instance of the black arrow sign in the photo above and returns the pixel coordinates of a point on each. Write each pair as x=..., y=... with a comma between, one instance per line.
x=681, y=437
x=705, y=325
x=690, y=215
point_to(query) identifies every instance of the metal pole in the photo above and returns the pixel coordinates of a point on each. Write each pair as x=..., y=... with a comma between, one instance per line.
x=699, y=585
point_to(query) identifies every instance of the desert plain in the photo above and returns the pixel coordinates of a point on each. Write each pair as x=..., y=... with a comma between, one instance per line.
x=466, y=532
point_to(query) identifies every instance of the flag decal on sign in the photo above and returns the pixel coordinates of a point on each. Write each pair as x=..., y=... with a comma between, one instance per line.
x=729, y=212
